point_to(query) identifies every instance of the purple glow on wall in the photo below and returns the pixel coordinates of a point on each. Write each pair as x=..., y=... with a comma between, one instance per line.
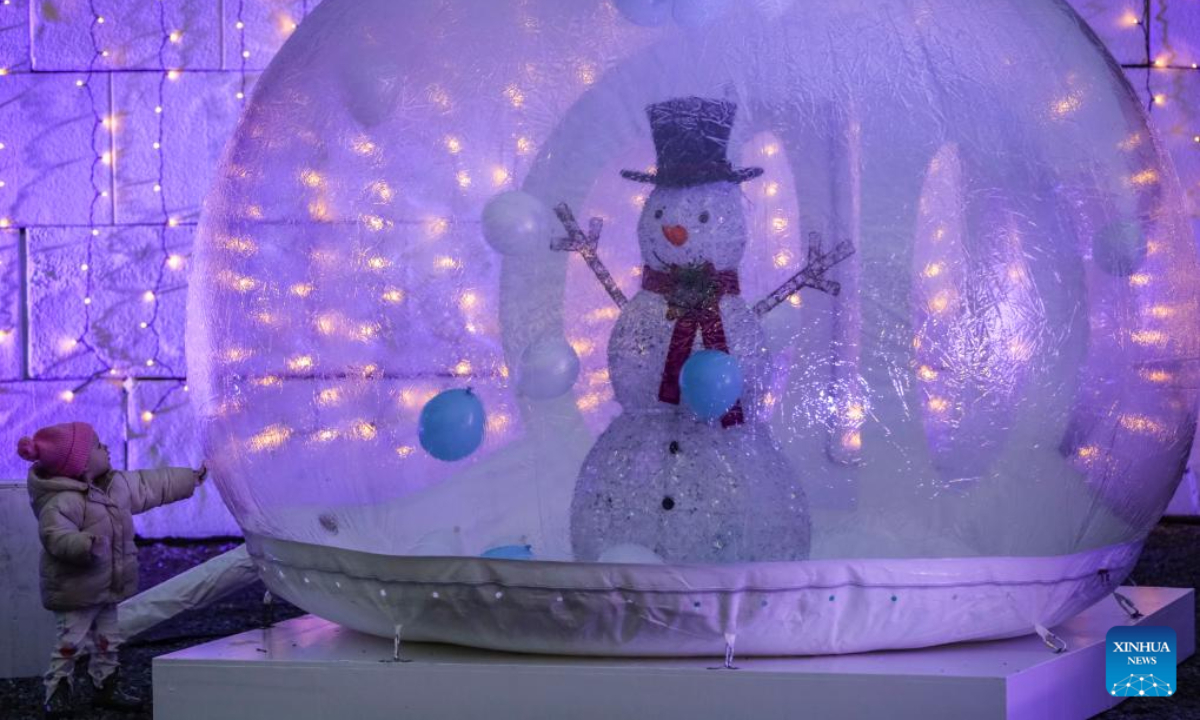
x=53, y=134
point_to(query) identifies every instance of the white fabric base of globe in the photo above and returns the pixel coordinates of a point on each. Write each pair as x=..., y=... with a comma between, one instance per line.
x=789, y=608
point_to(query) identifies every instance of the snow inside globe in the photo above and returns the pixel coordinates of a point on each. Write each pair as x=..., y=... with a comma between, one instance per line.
x=686, y=327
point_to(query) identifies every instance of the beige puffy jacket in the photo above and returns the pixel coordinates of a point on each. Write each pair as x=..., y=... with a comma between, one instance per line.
x=87, y=531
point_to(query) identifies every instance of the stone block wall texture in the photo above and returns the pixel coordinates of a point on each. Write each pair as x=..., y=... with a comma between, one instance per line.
x=109, y=133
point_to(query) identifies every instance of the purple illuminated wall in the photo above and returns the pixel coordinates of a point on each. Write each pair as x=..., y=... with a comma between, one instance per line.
x=110, y=126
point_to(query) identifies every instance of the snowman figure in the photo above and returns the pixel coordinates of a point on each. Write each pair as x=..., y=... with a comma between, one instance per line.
x=661, y=484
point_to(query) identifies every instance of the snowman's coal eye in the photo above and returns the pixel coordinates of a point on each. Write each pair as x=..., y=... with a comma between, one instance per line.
x=704, y=216
x=658, y=214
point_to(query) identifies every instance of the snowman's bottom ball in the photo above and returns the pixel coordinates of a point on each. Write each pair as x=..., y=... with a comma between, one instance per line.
x=690, y=492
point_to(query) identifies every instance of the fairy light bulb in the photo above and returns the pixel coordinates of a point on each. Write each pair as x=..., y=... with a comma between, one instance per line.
x=67, y=395
x=147, y=416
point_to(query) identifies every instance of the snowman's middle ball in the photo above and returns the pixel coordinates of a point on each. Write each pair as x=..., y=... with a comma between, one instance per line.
x=711, y=383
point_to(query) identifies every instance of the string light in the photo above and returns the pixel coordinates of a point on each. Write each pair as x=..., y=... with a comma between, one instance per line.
x=99, y=157
x=240, y=25
x=105, y=127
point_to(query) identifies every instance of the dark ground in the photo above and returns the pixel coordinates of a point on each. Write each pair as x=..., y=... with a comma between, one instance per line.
x=1170, y=558
x=236, y=613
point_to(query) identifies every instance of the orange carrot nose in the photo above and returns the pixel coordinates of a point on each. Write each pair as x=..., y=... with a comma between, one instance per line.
x=675, y=234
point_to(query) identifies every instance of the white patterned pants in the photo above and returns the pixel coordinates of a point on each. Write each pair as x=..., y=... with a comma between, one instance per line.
x=90, y=630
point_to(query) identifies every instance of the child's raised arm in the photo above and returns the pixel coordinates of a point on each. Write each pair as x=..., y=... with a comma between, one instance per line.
x=150, y=488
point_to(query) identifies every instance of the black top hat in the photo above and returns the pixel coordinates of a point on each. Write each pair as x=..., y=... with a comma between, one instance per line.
x=691, y=137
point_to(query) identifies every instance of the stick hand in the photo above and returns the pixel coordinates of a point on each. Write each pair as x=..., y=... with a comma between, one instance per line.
x=576, y=240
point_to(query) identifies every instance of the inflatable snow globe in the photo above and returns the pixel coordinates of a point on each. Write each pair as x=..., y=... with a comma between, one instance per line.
x=686, y=327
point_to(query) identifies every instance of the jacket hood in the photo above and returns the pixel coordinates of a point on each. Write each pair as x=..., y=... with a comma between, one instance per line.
x=42, y=488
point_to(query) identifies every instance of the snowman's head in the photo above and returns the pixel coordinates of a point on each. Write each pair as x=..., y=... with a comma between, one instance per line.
x=693, y=225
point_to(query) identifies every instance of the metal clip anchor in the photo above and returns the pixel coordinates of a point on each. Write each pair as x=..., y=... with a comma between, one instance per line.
x=1052, y=641
x=1127, y=605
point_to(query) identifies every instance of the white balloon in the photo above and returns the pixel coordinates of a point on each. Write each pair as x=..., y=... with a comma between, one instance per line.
x=630, y=553
x=649, y=13
x=516, y=223
x=371, y=80
x=697, y=13
x=548, y=369
x=1120, y=248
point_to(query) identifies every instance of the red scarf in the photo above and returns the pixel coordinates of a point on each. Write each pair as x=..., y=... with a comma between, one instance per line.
x=693, y=296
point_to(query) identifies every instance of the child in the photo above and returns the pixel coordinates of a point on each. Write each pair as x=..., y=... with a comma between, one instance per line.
x=89, y=564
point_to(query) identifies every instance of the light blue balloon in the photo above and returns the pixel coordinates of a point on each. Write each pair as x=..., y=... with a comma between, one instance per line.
x=451, y=425
x=510, y=552
x=711, y=382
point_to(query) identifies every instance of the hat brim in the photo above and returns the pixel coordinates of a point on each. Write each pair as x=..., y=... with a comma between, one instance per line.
x=738, y=175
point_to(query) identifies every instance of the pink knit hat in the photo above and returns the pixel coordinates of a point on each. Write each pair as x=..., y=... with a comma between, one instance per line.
x=61, y=450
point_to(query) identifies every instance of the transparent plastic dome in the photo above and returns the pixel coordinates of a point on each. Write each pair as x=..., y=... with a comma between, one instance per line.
x=971, y=439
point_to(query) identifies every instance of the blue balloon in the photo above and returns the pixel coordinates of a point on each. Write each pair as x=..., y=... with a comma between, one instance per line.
x=711, y=382
x=510, y=552
x=451, y=425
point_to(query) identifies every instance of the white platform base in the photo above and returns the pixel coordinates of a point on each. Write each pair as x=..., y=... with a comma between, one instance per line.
x=310, y=668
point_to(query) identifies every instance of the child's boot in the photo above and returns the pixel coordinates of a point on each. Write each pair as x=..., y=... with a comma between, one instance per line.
x=111, y=696
x=58, y=706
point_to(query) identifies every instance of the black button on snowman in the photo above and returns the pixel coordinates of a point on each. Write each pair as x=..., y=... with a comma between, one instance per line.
x=661, y=483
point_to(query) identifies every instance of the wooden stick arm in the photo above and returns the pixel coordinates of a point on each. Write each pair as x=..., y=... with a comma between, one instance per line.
x=586, y=245
x=811, y=275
